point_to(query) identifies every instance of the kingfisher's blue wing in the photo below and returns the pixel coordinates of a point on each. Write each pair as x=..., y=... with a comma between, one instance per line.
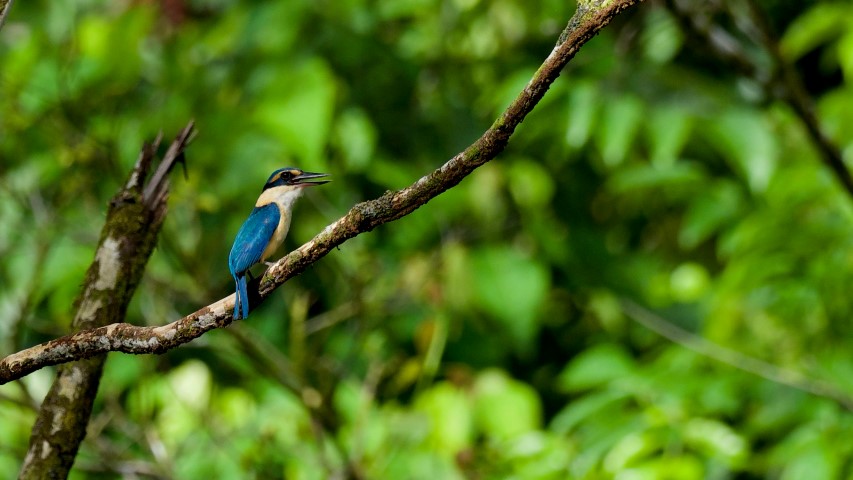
x=253, y=238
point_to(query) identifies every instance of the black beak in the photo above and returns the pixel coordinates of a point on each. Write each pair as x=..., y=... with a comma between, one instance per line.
x=304, y=179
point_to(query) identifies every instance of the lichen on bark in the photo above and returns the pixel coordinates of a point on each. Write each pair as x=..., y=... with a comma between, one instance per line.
x=126, y=243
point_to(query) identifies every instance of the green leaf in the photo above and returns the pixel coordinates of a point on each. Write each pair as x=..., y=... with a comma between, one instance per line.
x=641, y=177
x=717, y=440
x=668, y=129
x=584, y=104
x=596, y=405
x=356, y=138
x=272, y=28
x=42, y=92
x=191, y=383
x=836, y=113
x=814, y=460
x=631, y=448
x=505, y=407
x=512, y=288
x=236, y=407
x=538, y=455
x=416, y=465
x=689, y=282
x=681, y=467
x=619, y=125
x=845, y=53
x=348, y=401
x=595, y=367
x=604, y=306
x=112, y=46
x=744, y=137
x=661, y=37
x=716, y=205
x=450, y=416
x=530, y=184
x=297, y=107
x=820, y=24
x=121, y=373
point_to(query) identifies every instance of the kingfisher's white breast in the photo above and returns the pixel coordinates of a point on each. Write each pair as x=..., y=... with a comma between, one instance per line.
x=283, y=197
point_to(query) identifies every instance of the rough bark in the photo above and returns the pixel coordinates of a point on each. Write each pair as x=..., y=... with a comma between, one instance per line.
x=5, y=6
x=127, y=239
x=591, y=16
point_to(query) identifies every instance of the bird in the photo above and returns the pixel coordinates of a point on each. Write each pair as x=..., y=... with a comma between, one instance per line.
x=263, y=232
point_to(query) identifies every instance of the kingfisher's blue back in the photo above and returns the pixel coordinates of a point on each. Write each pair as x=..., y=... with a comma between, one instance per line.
x=251, y=241
x=266, y=227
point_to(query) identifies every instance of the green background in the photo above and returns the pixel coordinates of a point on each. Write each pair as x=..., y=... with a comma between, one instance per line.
x=486, y=335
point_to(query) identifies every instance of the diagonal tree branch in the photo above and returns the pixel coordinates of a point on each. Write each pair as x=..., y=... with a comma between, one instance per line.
x=591, y=16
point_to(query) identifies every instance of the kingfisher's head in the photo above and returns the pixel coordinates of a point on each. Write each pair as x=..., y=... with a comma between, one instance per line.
x=293, y=178
x=285, y=185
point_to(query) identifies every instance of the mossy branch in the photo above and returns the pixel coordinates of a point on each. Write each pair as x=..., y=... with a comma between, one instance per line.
x=589, y=19
x=134, y=218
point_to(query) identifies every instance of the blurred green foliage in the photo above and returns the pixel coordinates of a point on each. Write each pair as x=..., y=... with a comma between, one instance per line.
x=483, y=335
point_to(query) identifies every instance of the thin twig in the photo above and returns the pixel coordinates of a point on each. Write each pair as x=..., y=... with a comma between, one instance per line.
x=793, y=92
x=781, y=82
x=157, y=186
x=731, y=357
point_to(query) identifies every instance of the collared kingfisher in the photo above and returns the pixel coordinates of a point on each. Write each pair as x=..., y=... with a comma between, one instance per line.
x=265, y=229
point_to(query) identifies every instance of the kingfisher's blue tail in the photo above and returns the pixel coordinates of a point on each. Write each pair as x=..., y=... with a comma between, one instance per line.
x=241, y=303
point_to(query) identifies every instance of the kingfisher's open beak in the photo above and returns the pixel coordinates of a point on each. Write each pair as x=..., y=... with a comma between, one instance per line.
x=304, y=179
